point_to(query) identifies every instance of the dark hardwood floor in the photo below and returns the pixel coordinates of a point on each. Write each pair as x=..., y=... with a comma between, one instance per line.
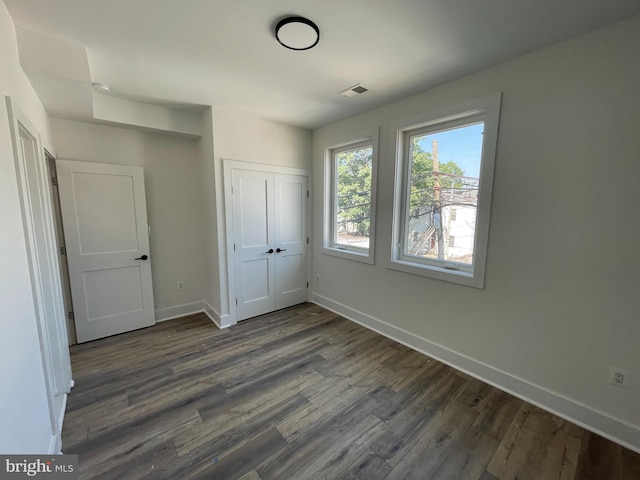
x=305, y=394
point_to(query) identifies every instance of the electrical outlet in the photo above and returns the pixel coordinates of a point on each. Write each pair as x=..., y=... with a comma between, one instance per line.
x=317, y=278
x=617, y=376
x=180, y=285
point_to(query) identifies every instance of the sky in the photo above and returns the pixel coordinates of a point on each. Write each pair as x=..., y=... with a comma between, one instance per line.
x=462, y=145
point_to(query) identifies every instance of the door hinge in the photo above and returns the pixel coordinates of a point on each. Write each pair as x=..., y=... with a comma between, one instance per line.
x=307, y=240
x=307, y=193
x=72, y=316
x=234, y=247
x=307, y=284
x=54, y=181
x=63, y=250
x=236, y=301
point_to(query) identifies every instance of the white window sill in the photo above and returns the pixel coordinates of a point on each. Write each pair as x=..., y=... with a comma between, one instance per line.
x=349, y=254
x=453, y=276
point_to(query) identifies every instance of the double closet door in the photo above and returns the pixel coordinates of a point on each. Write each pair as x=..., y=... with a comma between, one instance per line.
x=270, y=241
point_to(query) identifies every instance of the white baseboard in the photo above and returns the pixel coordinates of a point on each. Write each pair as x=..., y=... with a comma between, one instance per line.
x=598, y=422
x=222, y=321
x=164, y=314
x=212, y=313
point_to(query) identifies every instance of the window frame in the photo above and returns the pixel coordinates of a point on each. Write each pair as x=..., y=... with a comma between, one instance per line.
x=329, y=245
x=487, y=110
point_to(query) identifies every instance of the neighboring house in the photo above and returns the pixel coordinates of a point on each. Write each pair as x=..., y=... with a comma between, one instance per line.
x=460, y=227
x=458, y=216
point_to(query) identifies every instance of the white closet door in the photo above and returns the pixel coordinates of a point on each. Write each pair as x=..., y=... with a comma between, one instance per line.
x=105, y=224
x=270, y=241
x=290, y=206
x=253, y=226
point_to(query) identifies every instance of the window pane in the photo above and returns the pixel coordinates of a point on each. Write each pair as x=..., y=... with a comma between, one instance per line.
x=353, y=197
x=444, y=173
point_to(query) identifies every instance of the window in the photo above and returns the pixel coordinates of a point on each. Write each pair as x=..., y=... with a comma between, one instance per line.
x=350, y=198
x=444, y=177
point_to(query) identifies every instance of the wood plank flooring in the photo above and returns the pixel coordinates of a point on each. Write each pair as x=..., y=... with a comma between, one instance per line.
x=305, y=394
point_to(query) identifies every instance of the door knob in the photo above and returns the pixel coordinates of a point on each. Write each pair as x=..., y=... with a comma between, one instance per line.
x=143, y=257
x=278, y=250
x=270, y=250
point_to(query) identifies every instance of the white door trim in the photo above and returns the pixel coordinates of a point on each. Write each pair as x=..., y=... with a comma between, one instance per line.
x=35, y=196
x=227, y=167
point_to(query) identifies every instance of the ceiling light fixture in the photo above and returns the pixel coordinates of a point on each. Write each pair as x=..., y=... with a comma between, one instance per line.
x=297, y=33
x=101, y=87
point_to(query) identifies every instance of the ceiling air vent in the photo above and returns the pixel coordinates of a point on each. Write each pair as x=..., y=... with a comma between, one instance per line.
x=357, y=89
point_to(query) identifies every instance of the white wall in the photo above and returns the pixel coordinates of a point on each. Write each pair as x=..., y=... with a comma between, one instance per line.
x=25, y=425
x=174, y=203
x=185, y=197
x=125, y=113
x=249, y=138
x=561, y=301
x=211, y=294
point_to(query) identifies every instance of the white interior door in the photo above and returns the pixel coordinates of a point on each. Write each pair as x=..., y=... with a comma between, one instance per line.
x=270, y=241
x=105, y=225
x=290, y=207
x=253, y=227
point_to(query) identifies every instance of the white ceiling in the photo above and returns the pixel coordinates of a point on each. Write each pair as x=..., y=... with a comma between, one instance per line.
x=224, y=53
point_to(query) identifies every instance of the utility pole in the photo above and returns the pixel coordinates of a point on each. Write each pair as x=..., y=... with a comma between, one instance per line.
x=437, y=201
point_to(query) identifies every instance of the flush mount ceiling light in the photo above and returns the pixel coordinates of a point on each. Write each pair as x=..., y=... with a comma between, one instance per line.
x=297, y=33
x=101, y=87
